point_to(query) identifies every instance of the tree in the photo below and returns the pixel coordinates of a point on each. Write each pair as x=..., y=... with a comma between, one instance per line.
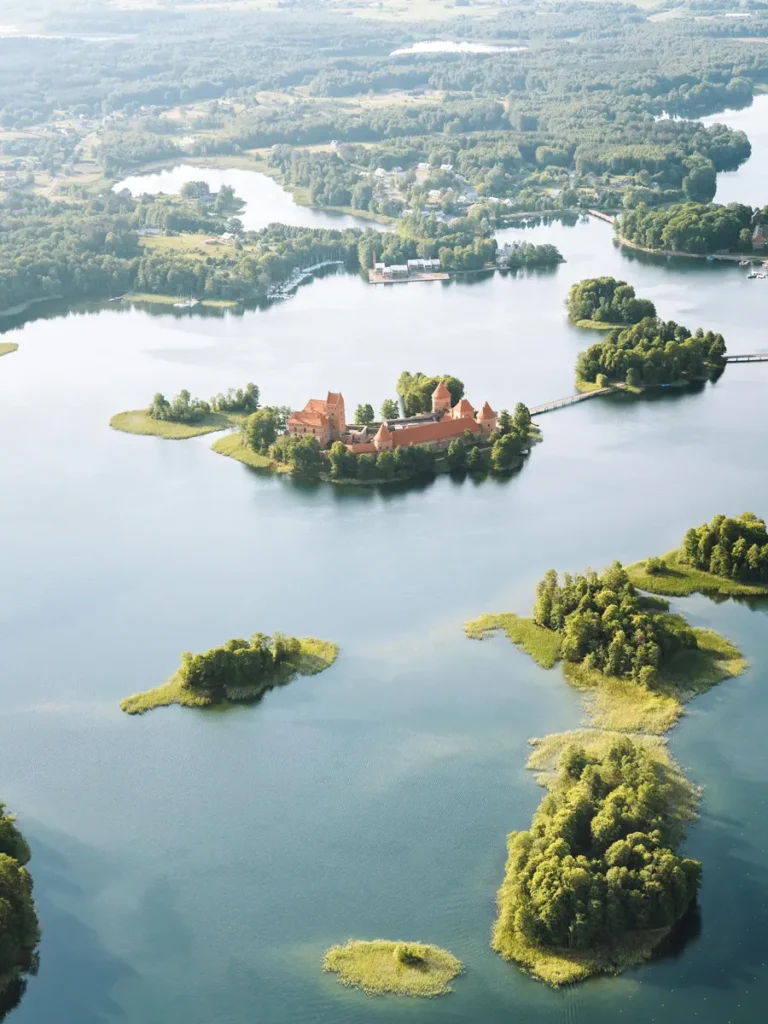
x=261, y=428
x=194, y=190
x=416, y=389
x=456, y=456
x=476, y=460
x=343, y=461
x=389, y=409
x=504, y=422
x=305, y=458
x=505, y=454
x=364, y=414
x=522, y=418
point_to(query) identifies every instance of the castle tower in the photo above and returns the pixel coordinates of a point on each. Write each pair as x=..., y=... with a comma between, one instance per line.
x=487, y=419
x=463, y=410
x=337, y=421
x=441, y=398
x=383, y=440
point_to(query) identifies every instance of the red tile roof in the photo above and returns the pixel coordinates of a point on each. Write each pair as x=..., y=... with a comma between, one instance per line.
x=487, y=413
x=464, y=408
x=429, y=433
x=441, y=391
x=383, y=433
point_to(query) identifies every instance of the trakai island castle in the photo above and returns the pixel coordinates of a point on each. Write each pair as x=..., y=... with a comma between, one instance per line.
x=325, y=420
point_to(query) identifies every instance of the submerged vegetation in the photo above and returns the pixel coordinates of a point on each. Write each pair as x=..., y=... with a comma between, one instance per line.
x=19, y=929
x=400, y=968
x=239, y=670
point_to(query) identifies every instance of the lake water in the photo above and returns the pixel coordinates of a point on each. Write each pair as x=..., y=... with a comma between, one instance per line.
x=190, y=867
x=265, y=201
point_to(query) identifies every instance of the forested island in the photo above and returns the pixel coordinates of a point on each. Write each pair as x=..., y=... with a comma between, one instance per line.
x=605, y=303
x=696, y=228
x=238, y=671
x=597, y=882
x=653, y=352
x=185, y=416
x=381, y=967
x=727, y=556
x=19, y=928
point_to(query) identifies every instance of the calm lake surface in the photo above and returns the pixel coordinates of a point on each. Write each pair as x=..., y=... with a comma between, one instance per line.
x=191, y=868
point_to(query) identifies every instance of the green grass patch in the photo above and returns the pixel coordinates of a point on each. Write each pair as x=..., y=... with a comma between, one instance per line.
x=316, y=656
x=136, y=421
x=233, y=447
x=6, y=347
x=678, y=580
x=543, y=645
x=621, y=704
x=583, y=386
x=377, y=968
x=598, y=325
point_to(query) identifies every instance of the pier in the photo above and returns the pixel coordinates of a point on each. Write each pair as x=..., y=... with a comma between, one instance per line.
x=753, y=357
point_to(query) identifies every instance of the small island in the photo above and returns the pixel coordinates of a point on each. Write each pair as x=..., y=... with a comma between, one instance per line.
x=596, y=883
x=651, y=353
x=186, y=416
x=19, y=928
x=381, y=967
x=603, y=303
x=238, y=671
x=727, y=556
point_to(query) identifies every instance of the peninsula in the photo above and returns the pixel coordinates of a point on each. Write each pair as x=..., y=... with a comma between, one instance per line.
x=616, y=800
x=186, y=416
x=727, y=556
x=380, y=967
x=238, y=671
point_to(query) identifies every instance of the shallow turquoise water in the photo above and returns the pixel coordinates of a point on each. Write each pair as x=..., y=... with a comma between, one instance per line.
x=192, y=867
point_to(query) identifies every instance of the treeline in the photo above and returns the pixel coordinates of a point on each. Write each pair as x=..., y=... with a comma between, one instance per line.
x=252, y=665
x=19, y=929
x=415, y=390
x=606, y=300
x=653, y=352
x=598, y=864
x=186, y=409
x=692, y=227
x=604, y=624
x=734, y=548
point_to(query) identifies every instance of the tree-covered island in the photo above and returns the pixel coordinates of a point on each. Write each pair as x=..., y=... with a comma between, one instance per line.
x=381, y=967
x=653, y=352
x=604, y=303
x=185, y=416
x=238, y=671
x=596, y=883
x=728, y=556
x=19, y=928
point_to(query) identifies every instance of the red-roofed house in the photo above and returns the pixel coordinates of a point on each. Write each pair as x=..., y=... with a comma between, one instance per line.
x=323, y=419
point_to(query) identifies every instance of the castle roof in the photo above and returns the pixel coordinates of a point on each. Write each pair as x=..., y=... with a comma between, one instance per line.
x=383, y=433
x=428, y=433
x=486, y=413
x=441, y=391
x=334, y=398
x=309, y=418
x=464, y=408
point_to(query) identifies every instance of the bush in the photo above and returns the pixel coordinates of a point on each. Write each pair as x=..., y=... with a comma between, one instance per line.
x=410, y=955
x=655, y=566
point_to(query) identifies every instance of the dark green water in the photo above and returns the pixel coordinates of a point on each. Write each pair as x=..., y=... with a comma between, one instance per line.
x=191, y=868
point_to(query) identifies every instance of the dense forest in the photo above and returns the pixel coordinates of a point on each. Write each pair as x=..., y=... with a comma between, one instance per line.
x=653, y=352
x=608, y=301
x=734, y=548
x=605, y=625
x=19, y=929
x=186, y=409
x=693, y=227
x=599, y=860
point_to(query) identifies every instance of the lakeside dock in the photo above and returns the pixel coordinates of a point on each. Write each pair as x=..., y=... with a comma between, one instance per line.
x=376, y=277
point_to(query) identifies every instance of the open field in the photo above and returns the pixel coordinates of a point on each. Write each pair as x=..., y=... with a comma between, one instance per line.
x=376, y=968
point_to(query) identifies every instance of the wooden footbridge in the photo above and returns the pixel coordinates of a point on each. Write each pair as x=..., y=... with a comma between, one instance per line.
x=583, y=396
x=752, y=357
